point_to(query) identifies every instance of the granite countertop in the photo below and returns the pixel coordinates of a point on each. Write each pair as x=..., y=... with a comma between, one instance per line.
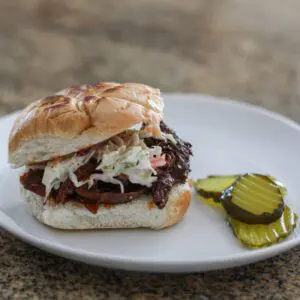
x=247, y=50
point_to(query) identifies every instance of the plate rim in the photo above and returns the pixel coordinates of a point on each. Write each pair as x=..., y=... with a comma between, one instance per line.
x=129, y=263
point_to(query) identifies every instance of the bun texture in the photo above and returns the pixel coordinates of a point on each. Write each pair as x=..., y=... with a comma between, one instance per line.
x=79, y=117
x=141, y=212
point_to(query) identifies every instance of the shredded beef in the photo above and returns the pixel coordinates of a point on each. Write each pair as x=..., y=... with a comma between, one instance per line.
x=32, y=181
x=66, y=189
x=161, y=189
x=83, y=172
x=175, y=171
x=91, y=196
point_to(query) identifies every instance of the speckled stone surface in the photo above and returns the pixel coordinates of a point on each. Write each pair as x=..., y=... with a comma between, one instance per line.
x=247, y=50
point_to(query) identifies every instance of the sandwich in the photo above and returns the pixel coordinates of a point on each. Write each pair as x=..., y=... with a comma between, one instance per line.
x=100, y=156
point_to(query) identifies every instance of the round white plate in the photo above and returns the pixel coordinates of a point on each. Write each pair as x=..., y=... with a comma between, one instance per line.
x=227, y=138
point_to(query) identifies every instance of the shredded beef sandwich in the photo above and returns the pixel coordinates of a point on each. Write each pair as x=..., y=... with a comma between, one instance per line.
x=100, y=156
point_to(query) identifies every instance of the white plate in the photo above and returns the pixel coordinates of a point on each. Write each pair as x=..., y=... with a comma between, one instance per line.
x=227, y=137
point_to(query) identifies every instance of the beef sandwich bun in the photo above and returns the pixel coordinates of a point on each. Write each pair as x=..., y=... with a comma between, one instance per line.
x=100, y=156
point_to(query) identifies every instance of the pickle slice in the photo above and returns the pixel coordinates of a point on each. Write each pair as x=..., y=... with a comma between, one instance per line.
x=259, y=236
x=213, y=187
x=280, y=185
x=211, y=202
x=253, y=199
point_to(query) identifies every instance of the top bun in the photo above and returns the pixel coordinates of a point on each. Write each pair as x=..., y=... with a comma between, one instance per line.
x=81, y=116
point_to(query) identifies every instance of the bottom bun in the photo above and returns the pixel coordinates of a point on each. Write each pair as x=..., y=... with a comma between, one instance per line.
x=141, y=212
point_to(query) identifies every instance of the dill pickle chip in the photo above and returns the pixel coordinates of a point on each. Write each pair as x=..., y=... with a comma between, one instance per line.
x=253, y=199
x=212, y=203
x=263, y=235
x=212, y=187
x=280, y=185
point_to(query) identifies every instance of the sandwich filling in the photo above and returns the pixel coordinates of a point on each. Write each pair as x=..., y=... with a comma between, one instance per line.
x=116, y=171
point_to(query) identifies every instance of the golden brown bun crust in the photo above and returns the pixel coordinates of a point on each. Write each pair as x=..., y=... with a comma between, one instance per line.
x=87, y=113
x=178, y=209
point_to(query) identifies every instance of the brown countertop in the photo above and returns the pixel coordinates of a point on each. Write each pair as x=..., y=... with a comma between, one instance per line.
x=247, y=50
